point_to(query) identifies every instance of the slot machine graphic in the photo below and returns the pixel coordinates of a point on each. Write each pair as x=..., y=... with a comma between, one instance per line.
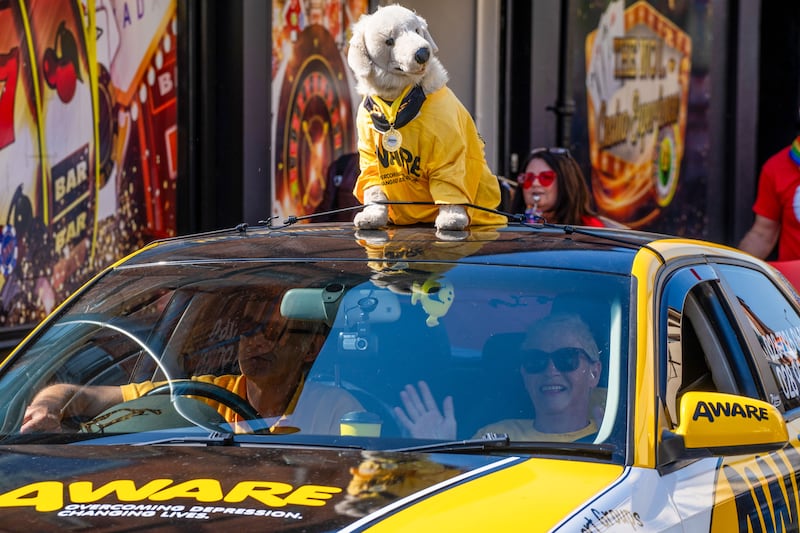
x=142, y=86
x=88, y=147
x=66, y=198
x=20, y=168
x=154, y=115
x=47, y=143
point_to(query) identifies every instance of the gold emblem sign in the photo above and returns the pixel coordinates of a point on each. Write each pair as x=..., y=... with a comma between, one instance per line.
x=637, y=83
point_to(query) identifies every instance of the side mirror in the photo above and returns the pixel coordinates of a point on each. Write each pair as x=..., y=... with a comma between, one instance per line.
x=727, y=423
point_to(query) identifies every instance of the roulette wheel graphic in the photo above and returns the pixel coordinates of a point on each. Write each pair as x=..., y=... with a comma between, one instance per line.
x=314, y=123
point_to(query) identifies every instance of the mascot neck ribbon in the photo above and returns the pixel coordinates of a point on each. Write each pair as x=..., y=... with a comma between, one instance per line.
x=388, y=116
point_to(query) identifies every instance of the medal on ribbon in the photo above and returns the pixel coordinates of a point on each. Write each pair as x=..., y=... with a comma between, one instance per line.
x=403, y=110
x=392, y=140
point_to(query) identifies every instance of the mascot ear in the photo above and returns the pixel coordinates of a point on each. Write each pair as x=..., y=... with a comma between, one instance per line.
x=357, y=55
x=427, y=36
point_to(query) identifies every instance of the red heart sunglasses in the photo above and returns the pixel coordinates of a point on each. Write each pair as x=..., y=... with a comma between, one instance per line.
x=546, y=178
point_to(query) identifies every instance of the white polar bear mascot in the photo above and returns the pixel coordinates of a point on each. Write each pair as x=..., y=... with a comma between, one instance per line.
x=417, y=142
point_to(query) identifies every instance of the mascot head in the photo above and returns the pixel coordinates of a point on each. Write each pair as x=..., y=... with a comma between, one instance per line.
x=391, y=49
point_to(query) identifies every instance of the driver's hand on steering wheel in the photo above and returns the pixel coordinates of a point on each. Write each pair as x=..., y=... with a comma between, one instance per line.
x=51, y=404
x=41, y=417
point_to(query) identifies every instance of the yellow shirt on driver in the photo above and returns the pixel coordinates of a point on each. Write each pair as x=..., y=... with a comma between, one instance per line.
x=317, y=410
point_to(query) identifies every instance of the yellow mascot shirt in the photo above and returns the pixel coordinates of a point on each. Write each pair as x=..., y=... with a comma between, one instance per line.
x=441, y=160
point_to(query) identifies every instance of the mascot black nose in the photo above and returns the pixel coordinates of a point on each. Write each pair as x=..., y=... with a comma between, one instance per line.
x=422, y=55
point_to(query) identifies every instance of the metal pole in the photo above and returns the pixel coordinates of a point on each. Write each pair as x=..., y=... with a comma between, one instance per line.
x=564, y=107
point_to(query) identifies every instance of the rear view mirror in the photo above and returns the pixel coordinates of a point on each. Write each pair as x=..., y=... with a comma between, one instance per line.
x=313, y=304
x=372, y=305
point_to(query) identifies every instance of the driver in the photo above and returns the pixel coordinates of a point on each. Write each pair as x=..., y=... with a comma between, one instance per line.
x=273, y=358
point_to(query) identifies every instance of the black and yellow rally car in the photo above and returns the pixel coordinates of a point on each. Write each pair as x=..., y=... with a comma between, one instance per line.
x=320, y=378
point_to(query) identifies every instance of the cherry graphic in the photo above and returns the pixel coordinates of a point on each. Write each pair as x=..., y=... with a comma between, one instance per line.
x=66, y=81
x=61, y=72
x=49, y=62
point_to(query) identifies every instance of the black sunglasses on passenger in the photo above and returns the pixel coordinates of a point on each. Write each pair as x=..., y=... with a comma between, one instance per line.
x=564, y=359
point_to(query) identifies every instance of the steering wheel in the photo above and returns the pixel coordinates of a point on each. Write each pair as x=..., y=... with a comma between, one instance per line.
x=208, y=390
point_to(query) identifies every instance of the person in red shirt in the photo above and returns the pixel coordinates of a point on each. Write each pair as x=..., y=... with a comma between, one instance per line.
x=777, y=207
x=552, y=187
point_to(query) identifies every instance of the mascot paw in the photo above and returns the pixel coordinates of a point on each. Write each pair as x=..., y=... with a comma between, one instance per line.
x=451, y=217
x=374, y=215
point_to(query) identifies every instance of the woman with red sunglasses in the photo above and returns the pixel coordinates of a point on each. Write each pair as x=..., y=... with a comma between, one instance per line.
x=552, y=187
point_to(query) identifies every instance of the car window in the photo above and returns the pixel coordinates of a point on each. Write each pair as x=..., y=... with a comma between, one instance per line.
x=775, y=324
x=702, y=349
x=470, y=350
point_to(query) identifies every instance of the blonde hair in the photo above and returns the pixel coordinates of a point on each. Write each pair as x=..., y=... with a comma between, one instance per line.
x=565, y=324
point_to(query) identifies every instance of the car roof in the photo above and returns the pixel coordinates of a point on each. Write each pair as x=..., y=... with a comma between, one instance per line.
x=605, y=249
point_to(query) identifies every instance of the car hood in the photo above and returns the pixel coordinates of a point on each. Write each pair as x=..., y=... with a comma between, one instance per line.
x=116, y=488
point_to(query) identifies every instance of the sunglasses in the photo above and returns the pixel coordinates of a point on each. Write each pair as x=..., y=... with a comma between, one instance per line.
x=546, y=178
x=564, y=359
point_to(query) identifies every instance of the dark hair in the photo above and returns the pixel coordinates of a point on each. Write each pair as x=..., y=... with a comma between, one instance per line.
x=340, y=179
x=573, y=201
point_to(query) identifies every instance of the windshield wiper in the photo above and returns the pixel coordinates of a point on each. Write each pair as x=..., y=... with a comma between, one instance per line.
x=496, y=441
x=490, y=440
x=212, y=439
x=248, y=439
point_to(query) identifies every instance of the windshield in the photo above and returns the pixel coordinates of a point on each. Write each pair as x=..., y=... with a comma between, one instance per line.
x=332, y=351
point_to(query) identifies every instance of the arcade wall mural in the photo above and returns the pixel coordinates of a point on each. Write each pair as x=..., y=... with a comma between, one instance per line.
x=313, y=98
x=88, y=142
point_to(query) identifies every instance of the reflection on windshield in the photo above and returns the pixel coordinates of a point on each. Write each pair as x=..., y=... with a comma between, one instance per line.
x=430, y=353
x=381, y=478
